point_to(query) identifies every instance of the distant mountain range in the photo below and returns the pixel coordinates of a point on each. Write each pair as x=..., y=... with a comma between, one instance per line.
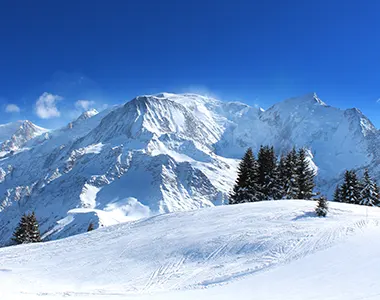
x=163, y=153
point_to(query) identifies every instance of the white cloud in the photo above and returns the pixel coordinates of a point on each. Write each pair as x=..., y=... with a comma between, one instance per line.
x=12, y=108
x=378, y=100
x=201, y=90
x=46, y=106
x=84, y=104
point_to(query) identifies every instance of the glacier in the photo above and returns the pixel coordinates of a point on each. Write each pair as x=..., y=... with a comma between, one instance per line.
x=165, y=153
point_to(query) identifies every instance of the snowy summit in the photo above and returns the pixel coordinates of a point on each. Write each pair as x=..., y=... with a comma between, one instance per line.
x=165, y=153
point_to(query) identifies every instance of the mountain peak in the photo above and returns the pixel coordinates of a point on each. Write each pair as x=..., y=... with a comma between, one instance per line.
x=84, y=116
x=171, y=152
x=163, y=95
x=27, y=125
x=310, y=98
x=300, y=104
x=10, y=129
x=318, y=100
x=88, y=114
x=18, y=133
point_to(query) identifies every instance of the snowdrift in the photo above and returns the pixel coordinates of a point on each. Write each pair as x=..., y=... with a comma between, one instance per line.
x=211, y=253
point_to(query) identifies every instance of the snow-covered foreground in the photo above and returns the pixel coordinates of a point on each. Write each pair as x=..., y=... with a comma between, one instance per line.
x=265, y=250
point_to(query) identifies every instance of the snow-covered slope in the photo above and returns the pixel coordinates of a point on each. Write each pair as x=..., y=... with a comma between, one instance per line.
x=339, y=139
x=167, y=152
x=6, y=130
x=13, y=136
x=214, y=253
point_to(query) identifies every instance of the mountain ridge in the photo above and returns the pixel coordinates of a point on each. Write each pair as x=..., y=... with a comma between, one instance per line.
x=169, y=152
x=17, y=134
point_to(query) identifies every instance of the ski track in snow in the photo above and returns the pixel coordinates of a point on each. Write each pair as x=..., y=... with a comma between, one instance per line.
x=189, y=251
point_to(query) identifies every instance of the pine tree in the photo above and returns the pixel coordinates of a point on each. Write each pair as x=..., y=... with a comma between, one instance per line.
x=267, y=162
x=291, y=175
x=350, y=190
x=322, y=207
x=246, y=189
x=273, y=183
x=377, y=191
x=369, y=193
x=34, y=229
x=27, y=230
x=338, y=194
x=20, y=233
x=280, y=173
x=90, y=227
x=305, y=176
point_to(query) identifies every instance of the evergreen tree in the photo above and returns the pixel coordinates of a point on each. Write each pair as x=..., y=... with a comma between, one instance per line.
x=377, y=191
x=280, y=189
x=369, y=194
x=338, y=194
x=322, y=207
x=20, y=234
x=90, y=227
x=291, y=175
x=246, y=188
x=305, y=176
x=351, y=188
x=34, y=229
x=27, y=230
x=267, y=162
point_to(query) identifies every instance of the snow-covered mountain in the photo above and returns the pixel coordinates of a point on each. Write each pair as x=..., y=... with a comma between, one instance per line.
x=20, y=128
x=6, y=130
x=14, y=136
x=167, y=152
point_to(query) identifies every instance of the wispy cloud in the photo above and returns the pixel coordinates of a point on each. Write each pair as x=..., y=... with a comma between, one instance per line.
x=12, y=108
x=378, y=100
x=199, y=89
x=84, y=104
x=46, y=106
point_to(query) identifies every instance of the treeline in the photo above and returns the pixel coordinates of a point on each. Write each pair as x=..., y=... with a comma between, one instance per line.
x=269, y=177
x=358, y=191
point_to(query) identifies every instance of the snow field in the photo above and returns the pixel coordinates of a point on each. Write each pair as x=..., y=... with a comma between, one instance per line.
x=216, y=252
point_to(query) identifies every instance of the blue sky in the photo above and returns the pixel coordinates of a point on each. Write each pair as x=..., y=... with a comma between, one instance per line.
x=258, y=52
